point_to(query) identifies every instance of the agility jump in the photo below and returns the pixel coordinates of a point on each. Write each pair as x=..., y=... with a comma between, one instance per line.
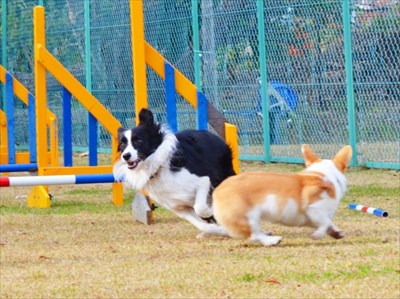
x=45, y=62
x=12, y=160
x=142, y=54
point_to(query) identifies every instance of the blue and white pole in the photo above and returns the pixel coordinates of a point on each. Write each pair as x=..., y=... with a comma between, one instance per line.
x=56, y=180
x=369, y=210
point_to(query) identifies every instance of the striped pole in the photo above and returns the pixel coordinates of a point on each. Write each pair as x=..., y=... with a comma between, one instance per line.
x=56, y=180
x=369, y=210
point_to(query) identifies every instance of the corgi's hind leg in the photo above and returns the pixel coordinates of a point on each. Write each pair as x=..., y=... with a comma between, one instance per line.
x=324, y=225
x=335, y=232
x=257, y=235
x=320, y=220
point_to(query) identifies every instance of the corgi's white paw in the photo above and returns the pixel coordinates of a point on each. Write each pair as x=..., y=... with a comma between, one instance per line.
x=265, y=240
x=317, y=235
x=273, y=240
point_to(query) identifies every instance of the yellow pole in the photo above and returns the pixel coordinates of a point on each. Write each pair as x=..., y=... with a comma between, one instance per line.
x=139, y=62
x=52, y=124
x=3, y=134
x=231, y=139
x=40, y=88
x=138, y=56
x=39, y=196
x=118, y=191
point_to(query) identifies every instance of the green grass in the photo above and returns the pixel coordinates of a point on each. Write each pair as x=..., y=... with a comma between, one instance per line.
x=357, y=271
x=87, y=191
x=67, y=208
x=85, y=247
x=249, y=277
x=373, y=190
x=75, y=205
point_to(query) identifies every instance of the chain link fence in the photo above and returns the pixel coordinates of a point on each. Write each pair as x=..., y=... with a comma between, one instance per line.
x=322, y=72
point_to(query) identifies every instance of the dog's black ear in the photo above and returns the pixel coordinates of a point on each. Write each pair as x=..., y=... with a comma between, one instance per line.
x=146, y=117
x=121, y=131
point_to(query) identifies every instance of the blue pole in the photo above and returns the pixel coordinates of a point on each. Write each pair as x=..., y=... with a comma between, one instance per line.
x=92, y=121
x=94, y=178
x=32, y=128
x=10, y=118
x=202, y=113
x=92, y=140
x=67, y=127
x=18, y=167
x=171, y=96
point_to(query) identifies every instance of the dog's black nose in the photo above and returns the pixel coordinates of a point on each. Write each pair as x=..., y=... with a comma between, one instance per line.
x=126, y=156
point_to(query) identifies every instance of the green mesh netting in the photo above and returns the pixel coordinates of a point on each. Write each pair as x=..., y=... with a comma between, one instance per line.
x=305, y=67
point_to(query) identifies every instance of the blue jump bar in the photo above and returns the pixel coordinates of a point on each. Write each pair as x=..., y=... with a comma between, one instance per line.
x=94, y=178
x=18, y=167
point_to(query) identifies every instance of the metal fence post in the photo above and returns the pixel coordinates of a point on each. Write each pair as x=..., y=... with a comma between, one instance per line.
x=196, y=44
x=264, y=80
x=349, y=81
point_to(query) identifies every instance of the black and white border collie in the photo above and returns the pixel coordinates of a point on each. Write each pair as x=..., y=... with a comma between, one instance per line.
x=178, y=171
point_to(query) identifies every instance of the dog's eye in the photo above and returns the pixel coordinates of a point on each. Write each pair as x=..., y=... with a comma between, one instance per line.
x=121, y=146
x=137, y=141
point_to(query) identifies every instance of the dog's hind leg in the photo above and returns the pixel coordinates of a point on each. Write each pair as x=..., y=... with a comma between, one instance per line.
x=201, y=206
x=251, y=227
x=206, y=228
x=335, y=232
x=320, y=220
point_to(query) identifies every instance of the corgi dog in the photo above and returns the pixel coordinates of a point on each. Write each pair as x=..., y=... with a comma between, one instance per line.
x=307, y=198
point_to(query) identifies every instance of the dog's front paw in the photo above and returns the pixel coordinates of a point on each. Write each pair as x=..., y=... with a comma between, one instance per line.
x=212, y=229
x=202, y=235
x=203, y=211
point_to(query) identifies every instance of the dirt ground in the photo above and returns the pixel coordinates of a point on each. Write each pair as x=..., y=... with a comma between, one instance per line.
x=84, y=247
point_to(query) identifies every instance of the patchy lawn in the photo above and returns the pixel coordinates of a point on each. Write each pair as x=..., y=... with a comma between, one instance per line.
x=84, y=247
